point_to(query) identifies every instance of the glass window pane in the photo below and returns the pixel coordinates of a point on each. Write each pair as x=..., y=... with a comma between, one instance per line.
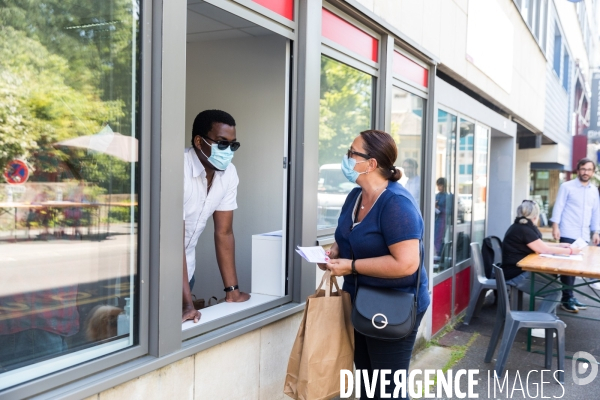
x=69, y=210
x=464, y=189
x=346, y=110
x=444, y=199
x=480, y=180
x=407, y=131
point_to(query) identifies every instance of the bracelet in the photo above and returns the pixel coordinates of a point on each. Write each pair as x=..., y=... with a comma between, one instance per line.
x=231, y=288
x=353, y=267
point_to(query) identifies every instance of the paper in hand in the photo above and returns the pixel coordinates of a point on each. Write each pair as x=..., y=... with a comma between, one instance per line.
x=314, y=254
x=579, y=243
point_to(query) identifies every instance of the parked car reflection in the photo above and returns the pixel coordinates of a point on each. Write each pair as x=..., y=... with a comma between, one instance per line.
x=332, y=189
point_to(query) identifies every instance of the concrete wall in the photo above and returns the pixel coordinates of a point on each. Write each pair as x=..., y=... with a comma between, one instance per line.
x=252, y=366
x=440, y=26
x=502, y=179
x=247, y=78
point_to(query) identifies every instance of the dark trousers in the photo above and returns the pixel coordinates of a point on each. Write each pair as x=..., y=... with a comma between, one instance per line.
x=371, y=354
x=565, y=279
x=192, y=282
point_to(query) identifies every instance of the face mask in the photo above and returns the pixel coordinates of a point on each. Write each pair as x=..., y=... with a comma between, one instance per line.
x=219, y=159
x=348, y=165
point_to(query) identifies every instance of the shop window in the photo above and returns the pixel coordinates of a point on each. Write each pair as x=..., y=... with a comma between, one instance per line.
x=407, y=130
x=480, y=183
x=464, y=189
x=445, y=153
x=241, y=68
x=557, y=50
x=69, y=208
x=566, y=65
x=346, y=108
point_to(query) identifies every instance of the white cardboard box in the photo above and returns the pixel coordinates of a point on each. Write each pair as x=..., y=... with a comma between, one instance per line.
x=267, y=265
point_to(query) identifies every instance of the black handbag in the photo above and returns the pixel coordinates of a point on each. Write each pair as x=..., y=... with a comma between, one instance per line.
x=384, y=313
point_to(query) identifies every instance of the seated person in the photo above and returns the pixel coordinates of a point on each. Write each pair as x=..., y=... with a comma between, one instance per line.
x=210, y=188
x=524, y=238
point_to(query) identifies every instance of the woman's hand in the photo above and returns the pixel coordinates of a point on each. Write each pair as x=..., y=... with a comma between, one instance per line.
x=575, y=250
x=333, y=252
x=340, y=266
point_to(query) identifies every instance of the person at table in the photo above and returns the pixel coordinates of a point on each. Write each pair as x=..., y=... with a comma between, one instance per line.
x=576, y=214
x=210, y=189
x=522, y=239
x=381, y=227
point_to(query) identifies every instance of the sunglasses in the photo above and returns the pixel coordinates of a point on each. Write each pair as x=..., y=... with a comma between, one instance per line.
x=223, y=144
x=352, y=152
x=528, y=201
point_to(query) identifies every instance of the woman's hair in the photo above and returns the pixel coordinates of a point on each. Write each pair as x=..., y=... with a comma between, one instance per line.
x=380, y=146
x=528, y=210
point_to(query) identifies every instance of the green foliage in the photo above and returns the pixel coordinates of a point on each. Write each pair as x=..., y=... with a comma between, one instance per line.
x=65, y=71
x=345, y=108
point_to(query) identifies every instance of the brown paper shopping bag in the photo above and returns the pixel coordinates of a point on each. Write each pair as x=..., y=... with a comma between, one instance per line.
x=324, y=345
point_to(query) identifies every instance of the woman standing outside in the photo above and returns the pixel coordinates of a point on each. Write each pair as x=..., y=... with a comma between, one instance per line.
x=381, y=227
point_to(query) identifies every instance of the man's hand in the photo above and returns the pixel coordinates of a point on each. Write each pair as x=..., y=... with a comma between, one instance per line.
x=555, y=231
x=596, y=239
x=189, y=312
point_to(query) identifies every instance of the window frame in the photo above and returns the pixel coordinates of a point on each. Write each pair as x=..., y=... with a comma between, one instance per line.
x=144, y=241
x=350, y=58
x=266, y=19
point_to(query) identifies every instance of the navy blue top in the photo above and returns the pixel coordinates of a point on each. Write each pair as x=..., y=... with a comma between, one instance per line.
x=393, y=218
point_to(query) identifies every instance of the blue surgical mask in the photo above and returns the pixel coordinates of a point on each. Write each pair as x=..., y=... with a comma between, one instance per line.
x=348, y=165
x=219, y=159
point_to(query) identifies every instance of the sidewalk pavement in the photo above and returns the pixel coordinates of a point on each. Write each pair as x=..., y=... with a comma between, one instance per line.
x=581, y=335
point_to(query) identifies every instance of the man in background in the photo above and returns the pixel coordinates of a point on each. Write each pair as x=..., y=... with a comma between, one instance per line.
x=576, y=214
x=413, y=185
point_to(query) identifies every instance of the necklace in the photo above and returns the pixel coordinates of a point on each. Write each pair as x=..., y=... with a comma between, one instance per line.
x=362, y=207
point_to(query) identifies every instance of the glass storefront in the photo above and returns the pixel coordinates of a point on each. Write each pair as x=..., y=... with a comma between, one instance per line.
x=407, y=127
x=69, y=102
x=346, y=109
x=464, y=189
x=480, y=183
x=445, y=149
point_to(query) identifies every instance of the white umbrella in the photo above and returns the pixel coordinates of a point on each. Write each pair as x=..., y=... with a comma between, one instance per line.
x=108, y=142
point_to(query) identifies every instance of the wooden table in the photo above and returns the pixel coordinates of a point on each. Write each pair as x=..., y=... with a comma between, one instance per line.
x=588, y=268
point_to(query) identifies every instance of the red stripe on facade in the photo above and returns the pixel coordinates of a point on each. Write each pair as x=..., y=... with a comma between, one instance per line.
x=462, y=294
x=441, y=305
x=285, y=8
x=345, y=34
x=410, y=70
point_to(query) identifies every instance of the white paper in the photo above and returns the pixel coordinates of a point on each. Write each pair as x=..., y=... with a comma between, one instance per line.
x=579, y=243
x=575, y=257
x=314, y=254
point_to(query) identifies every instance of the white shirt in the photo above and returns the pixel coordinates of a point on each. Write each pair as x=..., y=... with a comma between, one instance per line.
x=197, y=206
x=577, y=210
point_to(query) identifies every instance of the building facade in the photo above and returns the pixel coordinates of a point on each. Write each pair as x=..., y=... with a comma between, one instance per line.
x=98, y=102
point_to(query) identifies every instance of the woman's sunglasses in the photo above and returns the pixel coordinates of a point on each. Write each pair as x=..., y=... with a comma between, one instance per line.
x=352, y=152
x=224, y=144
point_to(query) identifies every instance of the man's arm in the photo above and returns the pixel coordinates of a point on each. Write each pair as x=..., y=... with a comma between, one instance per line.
x=187, y=308
x=225, y=249
x=559, y=205
x=595, y=223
